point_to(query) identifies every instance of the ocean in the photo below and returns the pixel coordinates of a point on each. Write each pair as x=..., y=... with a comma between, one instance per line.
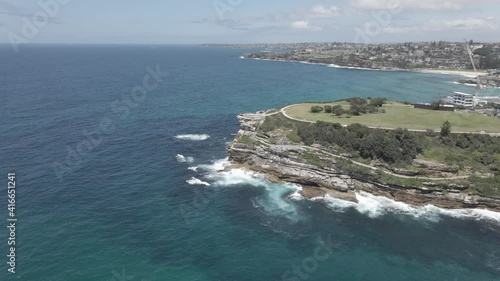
x=116, y=151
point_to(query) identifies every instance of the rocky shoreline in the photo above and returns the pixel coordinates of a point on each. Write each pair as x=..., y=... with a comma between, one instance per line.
x=493, y=82
x=279, y=162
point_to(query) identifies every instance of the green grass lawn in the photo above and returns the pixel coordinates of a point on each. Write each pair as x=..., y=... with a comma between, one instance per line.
x=399, y=115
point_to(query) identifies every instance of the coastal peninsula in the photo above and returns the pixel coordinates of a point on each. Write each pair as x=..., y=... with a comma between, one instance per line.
x=340, y=157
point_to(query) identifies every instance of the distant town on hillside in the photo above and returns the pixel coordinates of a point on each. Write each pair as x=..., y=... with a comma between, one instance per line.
x=409, y=54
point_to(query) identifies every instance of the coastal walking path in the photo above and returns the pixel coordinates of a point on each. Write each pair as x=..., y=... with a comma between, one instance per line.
x=369, y=166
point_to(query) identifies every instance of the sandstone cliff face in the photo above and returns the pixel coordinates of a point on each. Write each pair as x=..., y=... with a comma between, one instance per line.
x=283, y=161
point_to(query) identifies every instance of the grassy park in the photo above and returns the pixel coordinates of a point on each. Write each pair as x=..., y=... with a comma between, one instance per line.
x=399, y=115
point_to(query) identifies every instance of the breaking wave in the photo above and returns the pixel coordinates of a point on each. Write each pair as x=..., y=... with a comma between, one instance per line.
x=274, y=201
x=277, y=198
x=465, y=84
x=193, y=137
x=195, y=181
x=351, y=67
x=182, y=159
x=215, y=166
x=378, y=206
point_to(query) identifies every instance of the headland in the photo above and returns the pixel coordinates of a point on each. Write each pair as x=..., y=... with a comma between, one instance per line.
x=329, y=151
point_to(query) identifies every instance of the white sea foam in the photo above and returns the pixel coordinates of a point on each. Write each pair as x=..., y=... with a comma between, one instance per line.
x=335, y=204
x=195, y=181
x=193, y=137
x=355, y=68
x=194, y=169
x=215, y=166
x=378, y=206
x=274, y=201
x=296, y=194
x=465, y=84
x=182, y=159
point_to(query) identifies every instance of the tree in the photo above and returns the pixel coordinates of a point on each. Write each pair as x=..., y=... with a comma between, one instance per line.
x=328, y=109
x=482, y=52
x=372, y=108
x=378, y=102
x=356, y=109
x=316, y=109
x=338, y=110
x=358, y=105
x=446, y=129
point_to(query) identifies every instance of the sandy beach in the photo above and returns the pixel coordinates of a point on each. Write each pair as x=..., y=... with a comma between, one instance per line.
x=469, y=74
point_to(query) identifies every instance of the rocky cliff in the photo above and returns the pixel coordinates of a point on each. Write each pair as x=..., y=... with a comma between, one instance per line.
x=282, y=160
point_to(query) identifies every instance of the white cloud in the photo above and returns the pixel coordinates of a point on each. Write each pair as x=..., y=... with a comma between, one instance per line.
x=464, y=24
x=436, y=5
x=304, y=25
x=313, y=12
x=320, y=11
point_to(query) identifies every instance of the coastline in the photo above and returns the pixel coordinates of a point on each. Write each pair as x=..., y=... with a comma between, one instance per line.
x=462, y=73
x=281, y=162
x=385, y=200
x=468, y=74
x=328, y=65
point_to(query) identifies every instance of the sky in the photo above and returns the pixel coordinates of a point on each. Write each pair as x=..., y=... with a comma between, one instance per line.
x=246, y=21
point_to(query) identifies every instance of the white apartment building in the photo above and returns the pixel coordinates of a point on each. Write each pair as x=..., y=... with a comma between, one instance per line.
x=463, y=99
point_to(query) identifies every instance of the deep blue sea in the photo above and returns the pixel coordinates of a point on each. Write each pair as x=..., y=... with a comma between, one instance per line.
x=119, y=182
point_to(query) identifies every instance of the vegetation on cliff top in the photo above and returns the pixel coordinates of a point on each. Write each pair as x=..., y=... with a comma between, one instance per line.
x=476, y=155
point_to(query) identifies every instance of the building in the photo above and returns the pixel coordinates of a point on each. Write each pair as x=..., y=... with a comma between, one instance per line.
x=463, y=99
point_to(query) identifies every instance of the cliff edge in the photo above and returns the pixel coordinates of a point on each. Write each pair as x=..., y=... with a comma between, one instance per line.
x=277, y=153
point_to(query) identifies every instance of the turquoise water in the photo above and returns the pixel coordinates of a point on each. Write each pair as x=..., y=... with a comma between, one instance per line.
x=126, y=207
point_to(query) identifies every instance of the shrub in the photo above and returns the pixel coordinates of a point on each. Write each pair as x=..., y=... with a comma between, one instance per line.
x=378, y=102
x=372, y=109
x=316, y=109
x=338, y=110
x=328, y=109
x=398, y=146
x=430, y=133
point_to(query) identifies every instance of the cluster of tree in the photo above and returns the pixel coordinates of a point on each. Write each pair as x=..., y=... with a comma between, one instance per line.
x=360, y=106
x=484, y=148
x=316, y=109
x=337, y=110
x=391, y=146
x=489, y=59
